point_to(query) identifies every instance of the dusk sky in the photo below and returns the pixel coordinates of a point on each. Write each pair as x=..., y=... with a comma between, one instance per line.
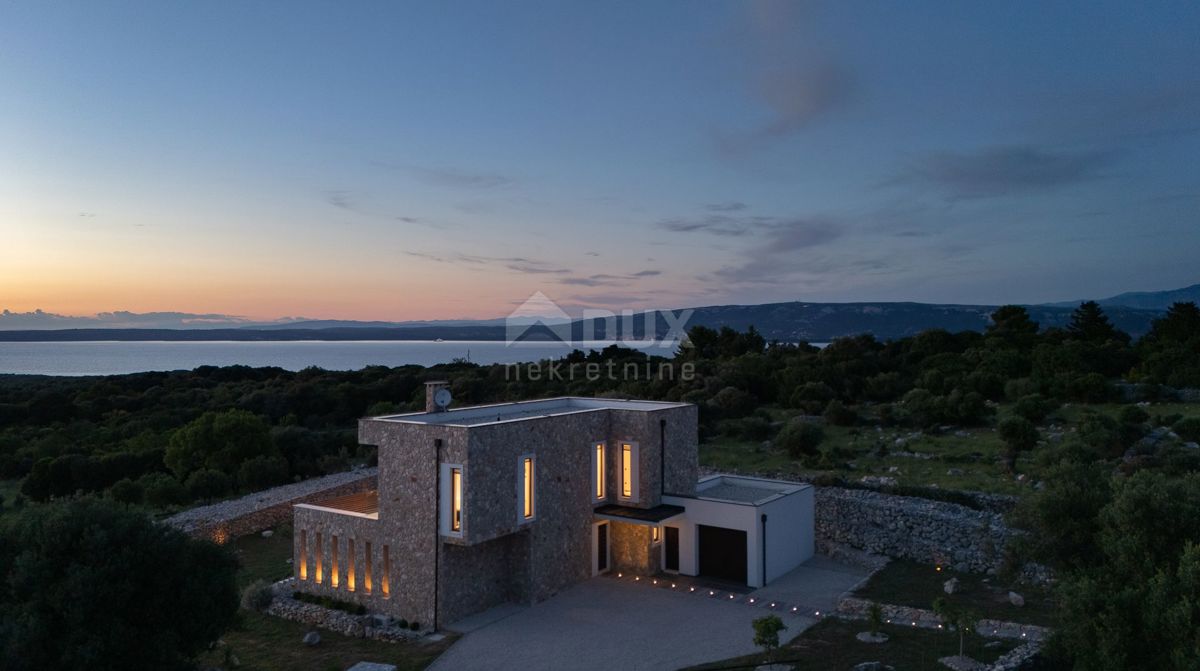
x=447, y=159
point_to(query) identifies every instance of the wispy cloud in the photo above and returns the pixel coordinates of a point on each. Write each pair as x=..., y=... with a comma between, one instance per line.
x=1005, y=170
x=340, y=198
x=731, y=206
x=775, y=233
x=518, y=264
x=794, y=81
x=462, y=179
x=609, y=280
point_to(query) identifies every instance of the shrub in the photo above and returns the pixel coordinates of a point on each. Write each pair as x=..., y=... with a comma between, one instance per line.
x=1188, y=429
x=1018, y=434
x=875, y=617
x=161, y=490
x=800, y=438
x=837, y=414
x=257, y=596
x=1132, y=414
x=207, y=484
x=331, y=603
x=414, y=625
x=1033, y=407
x=766, y=631
x=262, y=472
x=126, y=491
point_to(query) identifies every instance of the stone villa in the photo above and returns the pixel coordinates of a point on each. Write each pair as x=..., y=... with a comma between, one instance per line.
x=485, y=505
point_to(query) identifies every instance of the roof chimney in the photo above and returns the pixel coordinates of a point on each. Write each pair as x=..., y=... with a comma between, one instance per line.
x=431, y=390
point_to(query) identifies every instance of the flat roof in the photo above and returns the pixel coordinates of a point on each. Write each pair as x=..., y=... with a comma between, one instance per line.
x=739, y=489
x=522, y=410
x=362, y=504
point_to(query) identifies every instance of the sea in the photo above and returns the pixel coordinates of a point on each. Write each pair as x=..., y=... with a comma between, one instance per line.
x=116, y=357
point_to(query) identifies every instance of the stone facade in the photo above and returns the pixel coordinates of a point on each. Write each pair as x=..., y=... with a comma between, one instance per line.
x=498, y=556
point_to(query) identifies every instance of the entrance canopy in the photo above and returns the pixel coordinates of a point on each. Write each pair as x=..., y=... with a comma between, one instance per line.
x=645, y=516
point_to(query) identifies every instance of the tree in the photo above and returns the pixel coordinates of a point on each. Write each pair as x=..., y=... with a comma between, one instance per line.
x=1088, y=322
x=262, y=472
x=219, y=440
x=1019, y=435
x=1012, y=325
x=766, y=631
x=93, y=585
x=1137, y=607
x=800, y=438
x=1180, y=325
x=875, y=617
x=161, y=490
x=957, y=616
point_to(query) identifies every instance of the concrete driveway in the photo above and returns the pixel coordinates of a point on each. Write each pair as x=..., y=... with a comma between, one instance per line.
x=608, y=623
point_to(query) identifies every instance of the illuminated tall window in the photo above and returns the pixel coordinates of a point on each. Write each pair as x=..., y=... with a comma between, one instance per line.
x=319, y=558
x=333, y=562
x=303, y=554
x=655, y=534
x=350, y=563
x=368, y=559
x=627, y=470
x=456, y=499
x=526, y=489
x=598, y=466
x=385, y=580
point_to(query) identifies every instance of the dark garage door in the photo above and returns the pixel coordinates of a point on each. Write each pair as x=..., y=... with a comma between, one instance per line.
x=722, y=553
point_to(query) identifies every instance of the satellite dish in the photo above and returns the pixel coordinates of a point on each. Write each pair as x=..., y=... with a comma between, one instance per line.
x=442, y=398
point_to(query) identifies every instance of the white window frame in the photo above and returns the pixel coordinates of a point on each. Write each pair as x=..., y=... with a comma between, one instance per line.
x=521, y=518
x=634, y=470
x=447, y=508
x=599, y=467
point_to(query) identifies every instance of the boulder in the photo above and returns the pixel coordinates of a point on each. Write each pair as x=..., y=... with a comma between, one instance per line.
x=372, y=666
x=868, y=637
x=950, y=586
x=873, y=666
x=954, y=471
x=311, y=638
x=1016, y=599
x=268, y=533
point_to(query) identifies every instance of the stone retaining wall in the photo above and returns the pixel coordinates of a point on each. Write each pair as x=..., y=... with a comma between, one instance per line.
x=905, y=527
x=380, y=628
x=262, y=510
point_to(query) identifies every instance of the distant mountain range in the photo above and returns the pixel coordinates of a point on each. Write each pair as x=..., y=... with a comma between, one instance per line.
x=789, y=322
x=1146, y=300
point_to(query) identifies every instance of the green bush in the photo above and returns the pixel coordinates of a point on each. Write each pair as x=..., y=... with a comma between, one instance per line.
x=1033, y=407
x=837, y=414
x=1018, y=434
x=257, y=596
x=766, y=631
x=161, y=490
x=1188, y=429
x=799, y=438
x=414, y=625
x=126, y=491
x=1132, y=414
x=207, y=484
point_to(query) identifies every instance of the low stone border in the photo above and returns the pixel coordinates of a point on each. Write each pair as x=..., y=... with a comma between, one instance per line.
x=376, y=627
x=262, y=510
x=853, y=608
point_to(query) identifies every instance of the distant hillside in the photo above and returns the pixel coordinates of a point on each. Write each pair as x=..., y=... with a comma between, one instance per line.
x=788, y=322
x=1147, y=300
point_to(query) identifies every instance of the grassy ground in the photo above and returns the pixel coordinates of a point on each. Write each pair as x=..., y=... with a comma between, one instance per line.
x=963, y=458
x=906, y=583
x=264, y=643
x=9, y=489
x=831, y=644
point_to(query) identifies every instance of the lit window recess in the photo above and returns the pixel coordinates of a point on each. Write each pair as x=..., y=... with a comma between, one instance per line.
x=656, y=534
x=629, y=471
x=526, y=488
x=599, y=470
x=453, y=486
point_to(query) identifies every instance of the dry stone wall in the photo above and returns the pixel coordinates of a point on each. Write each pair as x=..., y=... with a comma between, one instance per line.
x=906, y=527
x=262, y=510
